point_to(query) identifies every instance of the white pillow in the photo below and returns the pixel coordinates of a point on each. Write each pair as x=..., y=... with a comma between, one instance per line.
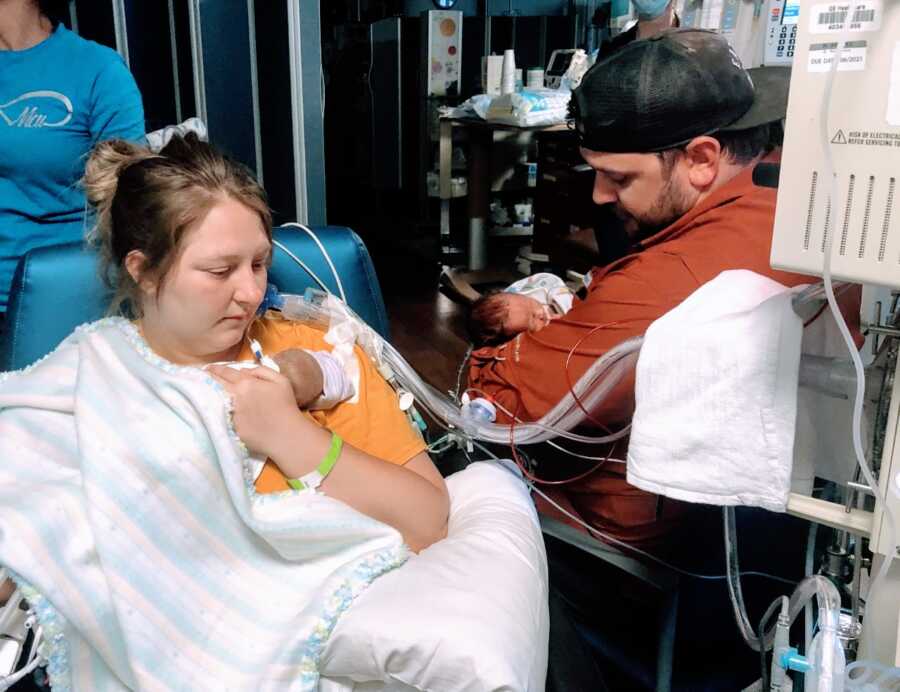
x=468, y=613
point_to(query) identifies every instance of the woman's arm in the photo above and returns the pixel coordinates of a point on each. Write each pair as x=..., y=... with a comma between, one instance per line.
x=412, y=498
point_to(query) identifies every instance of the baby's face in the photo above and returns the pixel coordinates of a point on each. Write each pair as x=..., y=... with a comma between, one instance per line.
x=525, y=315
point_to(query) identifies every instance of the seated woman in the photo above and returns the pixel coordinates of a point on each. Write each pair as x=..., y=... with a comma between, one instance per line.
x=122, y=446
x=189, y=235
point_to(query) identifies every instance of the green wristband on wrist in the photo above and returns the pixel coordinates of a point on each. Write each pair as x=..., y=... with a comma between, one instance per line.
x=313, y=479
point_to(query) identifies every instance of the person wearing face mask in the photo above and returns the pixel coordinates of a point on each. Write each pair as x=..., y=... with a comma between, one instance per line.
x=673, y=127
x=653, y=16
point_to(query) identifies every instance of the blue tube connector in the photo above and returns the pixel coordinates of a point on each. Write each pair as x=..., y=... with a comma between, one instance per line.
x=272, y=299
x=418, y=420
x=792, y=660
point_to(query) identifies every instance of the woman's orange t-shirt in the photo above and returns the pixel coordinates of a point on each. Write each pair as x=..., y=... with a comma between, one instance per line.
x=375, y=424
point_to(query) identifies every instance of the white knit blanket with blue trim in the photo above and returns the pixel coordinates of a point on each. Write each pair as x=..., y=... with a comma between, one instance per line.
x=127, y=512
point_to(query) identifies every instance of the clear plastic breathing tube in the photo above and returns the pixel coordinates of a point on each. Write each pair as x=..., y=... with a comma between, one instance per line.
x=814, y=585
x=826, y=654
x=591, y=389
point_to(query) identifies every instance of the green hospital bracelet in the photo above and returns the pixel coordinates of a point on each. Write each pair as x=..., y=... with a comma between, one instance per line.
x=313, y=479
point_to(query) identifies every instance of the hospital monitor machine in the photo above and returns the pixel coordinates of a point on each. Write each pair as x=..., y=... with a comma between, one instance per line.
x=781, y=32
x=862, y=224
x=559, y=62
x=864, y=139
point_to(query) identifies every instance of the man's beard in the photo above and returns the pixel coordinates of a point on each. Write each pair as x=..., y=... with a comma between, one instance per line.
x=670, y=205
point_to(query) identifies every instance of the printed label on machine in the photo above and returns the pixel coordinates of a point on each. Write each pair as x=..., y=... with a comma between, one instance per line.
x=853, y=56
x=831, y=19
x=867, y=138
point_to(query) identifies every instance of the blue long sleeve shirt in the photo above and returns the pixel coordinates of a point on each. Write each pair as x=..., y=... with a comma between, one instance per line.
x=57, y=99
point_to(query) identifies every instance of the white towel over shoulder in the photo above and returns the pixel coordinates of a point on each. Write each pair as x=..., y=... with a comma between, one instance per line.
x=716, y=395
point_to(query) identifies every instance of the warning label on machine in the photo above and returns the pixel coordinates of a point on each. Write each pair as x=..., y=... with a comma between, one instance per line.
x=868, y=139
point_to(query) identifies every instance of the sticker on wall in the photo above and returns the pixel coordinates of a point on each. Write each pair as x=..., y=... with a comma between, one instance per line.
x=853, y=57
x=832, y=18
x=443, y=49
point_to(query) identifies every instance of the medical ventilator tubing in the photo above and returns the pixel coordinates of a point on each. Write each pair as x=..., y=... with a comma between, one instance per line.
x=332, y=315
x=602, y=377
x=826, y=655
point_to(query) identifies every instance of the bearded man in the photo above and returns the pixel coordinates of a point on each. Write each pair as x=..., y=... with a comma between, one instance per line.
x=673, y=126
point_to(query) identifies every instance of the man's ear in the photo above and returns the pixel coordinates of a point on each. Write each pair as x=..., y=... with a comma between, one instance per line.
x=135, y=261
x=703, y=156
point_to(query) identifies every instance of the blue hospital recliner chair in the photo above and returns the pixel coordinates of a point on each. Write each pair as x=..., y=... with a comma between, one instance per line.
x=59, y=287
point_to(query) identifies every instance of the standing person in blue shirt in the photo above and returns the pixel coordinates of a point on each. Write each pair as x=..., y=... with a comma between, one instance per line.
x=59, y=95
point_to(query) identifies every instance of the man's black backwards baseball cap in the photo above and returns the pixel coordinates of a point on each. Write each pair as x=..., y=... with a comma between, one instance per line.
x=661, y=92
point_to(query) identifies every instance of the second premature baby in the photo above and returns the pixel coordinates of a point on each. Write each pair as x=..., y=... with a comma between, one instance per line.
x=527, y=305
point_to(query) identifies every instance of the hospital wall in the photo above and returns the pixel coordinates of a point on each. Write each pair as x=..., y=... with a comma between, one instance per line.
x=251, y=69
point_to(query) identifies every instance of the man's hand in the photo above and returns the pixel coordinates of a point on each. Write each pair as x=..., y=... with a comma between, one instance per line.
x=304, y=374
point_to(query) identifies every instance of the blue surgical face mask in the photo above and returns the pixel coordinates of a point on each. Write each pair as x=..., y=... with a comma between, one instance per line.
x=650, y=9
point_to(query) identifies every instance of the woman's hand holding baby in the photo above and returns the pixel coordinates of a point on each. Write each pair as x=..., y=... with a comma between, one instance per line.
x=412, y=498
x=264, y=410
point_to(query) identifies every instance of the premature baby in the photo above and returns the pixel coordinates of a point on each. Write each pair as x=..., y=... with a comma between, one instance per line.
x=527, y=305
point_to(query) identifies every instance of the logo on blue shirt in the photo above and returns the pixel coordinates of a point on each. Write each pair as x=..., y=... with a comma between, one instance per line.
x=36, y=108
